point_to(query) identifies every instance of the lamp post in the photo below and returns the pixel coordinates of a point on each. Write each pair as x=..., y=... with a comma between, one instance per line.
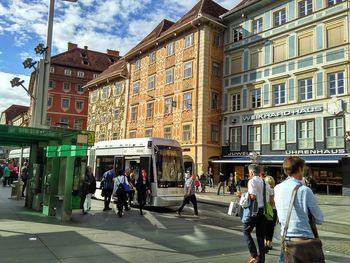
x=16, y=82
x=42, y=83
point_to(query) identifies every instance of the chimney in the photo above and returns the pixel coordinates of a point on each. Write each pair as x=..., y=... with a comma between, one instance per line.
x=113, y=53
x=86, y=47
x=72, y=45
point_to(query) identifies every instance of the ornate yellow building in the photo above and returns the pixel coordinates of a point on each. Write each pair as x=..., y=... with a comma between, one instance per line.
x=175, y=84
x=107, y=103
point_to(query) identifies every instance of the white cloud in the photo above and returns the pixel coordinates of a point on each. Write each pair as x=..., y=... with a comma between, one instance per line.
x=15, y=95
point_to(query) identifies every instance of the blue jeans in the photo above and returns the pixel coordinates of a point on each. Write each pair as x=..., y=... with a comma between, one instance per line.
x=259, y=223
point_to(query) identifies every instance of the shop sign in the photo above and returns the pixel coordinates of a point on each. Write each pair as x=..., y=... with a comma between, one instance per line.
x=320, y=151
x=283, y=113
x=242, y=153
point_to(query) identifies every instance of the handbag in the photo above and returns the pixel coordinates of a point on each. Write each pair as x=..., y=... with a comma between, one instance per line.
x=247, y=213
x=233, y=209
x=303, y=250
x=268, y=210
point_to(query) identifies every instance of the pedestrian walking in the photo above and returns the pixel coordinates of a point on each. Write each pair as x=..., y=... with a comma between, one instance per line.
x=210, y=178
x=121, y=188
x=89, y=188
x=143, y=190
x=203, y=180
x=197, y=183
x=24, y=176
x=270, y=224
x=231, y=184
x=107, y=184
x=237, y=179
x=222, y=183
x=190, y=195
x=304, y=209
x=6, y=179
x=255, y=192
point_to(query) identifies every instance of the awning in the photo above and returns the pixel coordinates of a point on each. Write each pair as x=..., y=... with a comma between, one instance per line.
x=278, y=159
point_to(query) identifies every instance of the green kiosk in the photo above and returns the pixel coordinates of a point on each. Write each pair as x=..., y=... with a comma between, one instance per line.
x=57, y=165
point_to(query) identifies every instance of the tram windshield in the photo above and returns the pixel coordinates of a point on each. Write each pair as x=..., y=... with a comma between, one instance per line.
x=170, y=172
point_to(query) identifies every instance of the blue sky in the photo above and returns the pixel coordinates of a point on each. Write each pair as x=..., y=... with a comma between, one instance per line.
x=100, y=25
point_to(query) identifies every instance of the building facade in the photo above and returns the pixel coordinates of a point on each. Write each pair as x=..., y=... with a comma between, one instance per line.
x=175, y=84
x=107, y=103
x=67, y=100
x=286, y=88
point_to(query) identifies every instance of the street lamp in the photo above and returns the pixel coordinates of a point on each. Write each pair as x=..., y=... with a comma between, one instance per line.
x=29, y=63
x=40, y=107
x=16, y=82
x=40, y=49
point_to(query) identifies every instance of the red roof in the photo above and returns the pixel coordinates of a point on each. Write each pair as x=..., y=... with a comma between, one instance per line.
x=84, y=59
x=206, y=8
x=14, y=111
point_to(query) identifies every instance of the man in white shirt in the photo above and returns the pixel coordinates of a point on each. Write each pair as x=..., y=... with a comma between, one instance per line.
x=255, y=191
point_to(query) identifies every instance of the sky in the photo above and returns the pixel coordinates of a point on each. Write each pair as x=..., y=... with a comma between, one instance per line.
x=98, y=24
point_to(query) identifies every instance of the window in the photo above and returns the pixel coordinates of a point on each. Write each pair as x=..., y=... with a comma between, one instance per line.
x=102, y=137
x=116, y=115
x=149, y=113
x=65, y=103
x=134, y=111
x=103, y=118
x=188, y=40
x=169, y=76
x=118, y=88
x=256, y=58
x=214, y=134
x=136, y=87
x=216, y=70
x=132, y=134
x=94, y=96
x=236, y=102
x=237, y=34
x=235, y=140
x=279, y=17
x=105, y=92
x=152, y=57
x=186, y=132
x=306, y=134
x=95, y=75
x=137, y=65
x=214, y=101
x=334, y=2
x=170, y=49
x=278, y=136
x=167, y=133
x=305, y=89
x=257, y=26
x=67, y=72
x=335, y=34
x=279, y=51
x=217, y=39
x=187, y=103
x=168, y=105
x=80, y=74
x=335, y=132
x=78, y=124
x=66, y=86
x=52, y=84
x=64, y=121
x=279, y=94
x=79, y=105
x=52, y=69
x=236, y=63
x=254, y=134
x=80, y=88
x=148, y=133
x=49, y=101
x=256, y=98
x=188, y=69
x=305, y=8
x=336, y=83
x=151, y=82
x=305, y=43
